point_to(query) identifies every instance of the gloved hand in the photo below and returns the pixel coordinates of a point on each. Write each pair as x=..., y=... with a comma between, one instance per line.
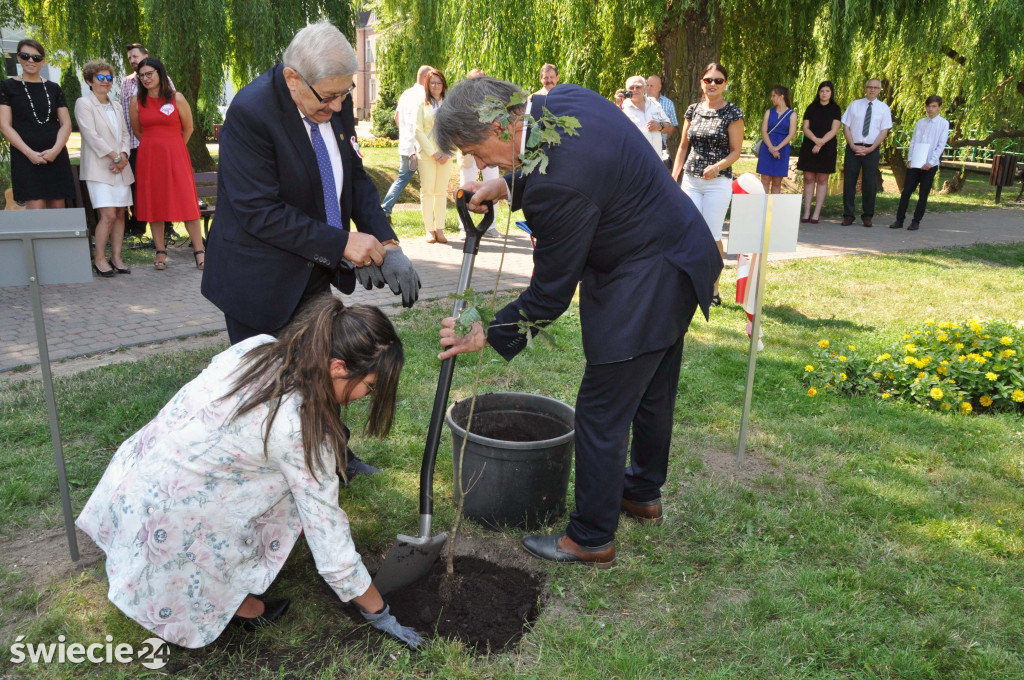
x=370, y=276
x=400, y=275
x=389, y=625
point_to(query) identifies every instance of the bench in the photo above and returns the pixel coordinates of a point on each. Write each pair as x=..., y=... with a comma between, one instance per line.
x=206, y=187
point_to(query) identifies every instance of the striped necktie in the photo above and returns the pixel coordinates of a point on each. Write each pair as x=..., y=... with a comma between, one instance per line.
x=323, y=160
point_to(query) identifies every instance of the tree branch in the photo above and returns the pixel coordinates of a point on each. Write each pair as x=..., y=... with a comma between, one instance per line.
x=994, y=135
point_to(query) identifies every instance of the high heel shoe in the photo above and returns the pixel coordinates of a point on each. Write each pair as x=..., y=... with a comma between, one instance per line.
x=196, y=254
x=439, y=236
x=160, y=265
x=108, y=274
x=716, y=300
x=431, y=238
x=119, y=270
x=272, y=610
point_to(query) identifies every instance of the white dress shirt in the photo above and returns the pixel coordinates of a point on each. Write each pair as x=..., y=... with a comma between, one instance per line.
x=881, y=119
x=331, y=142
x=931, y=133
x=652, y=111
x=407, y=107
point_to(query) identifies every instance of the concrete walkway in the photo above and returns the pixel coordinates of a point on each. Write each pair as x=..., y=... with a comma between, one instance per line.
x=149, y=306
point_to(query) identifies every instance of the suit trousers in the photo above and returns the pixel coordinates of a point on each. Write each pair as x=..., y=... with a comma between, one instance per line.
x=639, y=393
x=434, y=191
x=852, y=167
x=915, y=177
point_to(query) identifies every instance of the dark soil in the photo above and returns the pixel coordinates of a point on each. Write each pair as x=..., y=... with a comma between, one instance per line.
x=516, y=426
x=486, y=606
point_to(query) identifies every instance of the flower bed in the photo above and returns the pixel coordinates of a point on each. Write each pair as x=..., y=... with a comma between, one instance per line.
x=968, y=367
x=377, y=143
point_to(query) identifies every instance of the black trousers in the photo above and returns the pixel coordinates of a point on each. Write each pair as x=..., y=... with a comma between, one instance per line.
x=915, y=177
x=318, y=284
x=852, y=167
x=639, y=393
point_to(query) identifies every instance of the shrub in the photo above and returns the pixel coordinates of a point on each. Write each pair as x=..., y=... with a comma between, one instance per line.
x=969, y=367
x=384, y=121
x=72, y=88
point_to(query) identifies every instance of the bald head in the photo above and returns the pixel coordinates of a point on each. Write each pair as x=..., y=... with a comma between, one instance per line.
x=422, y=73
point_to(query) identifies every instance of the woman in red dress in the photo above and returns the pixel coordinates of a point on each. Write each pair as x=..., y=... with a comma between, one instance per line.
x=166, y=189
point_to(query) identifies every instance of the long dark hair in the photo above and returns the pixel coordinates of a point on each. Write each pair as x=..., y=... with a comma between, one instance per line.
x=166, y=91
x=299, y=362
x=784, y=92
x=444, y=86
x=817, y=93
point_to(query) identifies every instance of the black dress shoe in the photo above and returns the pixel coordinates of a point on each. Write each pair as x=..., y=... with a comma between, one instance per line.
x=866, y=221
x=896, y=225
x=716, y=300
x=847, y=221
x=108, y=274
x=272, y=610
x=648, y=512
x=914, y=226
x=119, y=270
x=356, y=466
x=561, y=548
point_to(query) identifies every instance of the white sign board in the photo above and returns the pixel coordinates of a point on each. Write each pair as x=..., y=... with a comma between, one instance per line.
x=748, y=217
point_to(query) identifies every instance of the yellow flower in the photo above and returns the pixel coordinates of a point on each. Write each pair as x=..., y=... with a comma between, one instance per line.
x=1007, y=353
x=917, y=332
x=851, y=348
x=906, y=337
x=941, y=370
x=942, y=337
x=920, y=376
x=986, y=353
x=909, y=360
x=959, y=345
x=811, y=392
x=936, y=393
x=809, y=368
x=946, y=406
x=886, y=395
x=842, y=376
x=823, y=343
x=1006, y=340
x=911, y=348
x=966, y=407
x=876, y=375
x=842, y=357
x=929, y=322
x=991, y=376
x=974, y=325
x=1017, y=396
x=883, y=357
x=978, y=359
x=951, y=381
x=985, y=400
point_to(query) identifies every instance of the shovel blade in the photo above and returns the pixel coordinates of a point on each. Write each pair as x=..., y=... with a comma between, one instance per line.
x=408, y=560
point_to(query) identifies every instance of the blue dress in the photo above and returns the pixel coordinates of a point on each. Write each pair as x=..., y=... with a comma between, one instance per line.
x=766, y=163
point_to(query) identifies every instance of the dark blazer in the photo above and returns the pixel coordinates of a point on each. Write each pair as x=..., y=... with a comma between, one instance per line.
x=609, y=215
x=270, y=230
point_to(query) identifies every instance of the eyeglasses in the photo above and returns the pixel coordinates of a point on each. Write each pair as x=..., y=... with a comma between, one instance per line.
x=326, y=100
x=872, y=87
x=716, y=81
x=370, y=387
x=636, y=87
x=25, y=56
x=104, y=79
x=147, y=75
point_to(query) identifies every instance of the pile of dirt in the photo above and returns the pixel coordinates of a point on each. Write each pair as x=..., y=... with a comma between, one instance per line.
x=487, y=606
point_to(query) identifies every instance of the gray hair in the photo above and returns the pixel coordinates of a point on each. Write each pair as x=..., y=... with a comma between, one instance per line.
x=321, y=51
x=632, y=79
x=458, y=122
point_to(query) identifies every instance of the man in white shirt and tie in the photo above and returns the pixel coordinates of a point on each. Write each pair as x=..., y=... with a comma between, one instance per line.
x=926, y=147
x=866, y=123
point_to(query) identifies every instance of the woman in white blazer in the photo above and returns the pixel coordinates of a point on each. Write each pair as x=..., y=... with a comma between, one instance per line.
x=104, y=164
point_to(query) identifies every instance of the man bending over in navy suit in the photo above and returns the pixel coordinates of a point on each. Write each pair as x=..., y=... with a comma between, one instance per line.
x=290, y=181
x=608, y=217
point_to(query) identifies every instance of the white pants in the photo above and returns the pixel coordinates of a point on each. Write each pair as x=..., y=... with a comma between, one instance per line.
x=712, y=198
x=468, y=170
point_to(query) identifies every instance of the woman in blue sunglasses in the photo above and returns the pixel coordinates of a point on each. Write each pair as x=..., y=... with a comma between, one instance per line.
x=104, y=165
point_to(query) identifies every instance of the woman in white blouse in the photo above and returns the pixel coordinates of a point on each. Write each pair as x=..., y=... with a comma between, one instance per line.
x=435, y=165
x=104, y=164
x=198, y=511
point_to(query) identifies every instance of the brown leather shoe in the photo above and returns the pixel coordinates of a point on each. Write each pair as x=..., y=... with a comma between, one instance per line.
x=561, y=548
x=847, y=221
x=648, y=512
x=866, y=221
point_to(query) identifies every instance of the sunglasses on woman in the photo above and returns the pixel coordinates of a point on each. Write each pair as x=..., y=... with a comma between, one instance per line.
x=716, y=81
x=105, y=79
x=25, y=56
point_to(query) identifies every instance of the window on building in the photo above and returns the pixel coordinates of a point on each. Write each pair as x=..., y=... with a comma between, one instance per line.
x=373, y=91
x=369, y=51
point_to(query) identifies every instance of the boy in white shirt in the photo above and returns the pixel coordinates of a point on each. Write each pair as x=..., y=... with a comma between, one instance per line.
x=930, y=135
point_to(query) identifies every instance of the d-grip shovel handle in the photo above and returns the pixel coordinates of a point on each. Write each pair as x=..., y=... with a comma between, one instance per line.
x=444, y=380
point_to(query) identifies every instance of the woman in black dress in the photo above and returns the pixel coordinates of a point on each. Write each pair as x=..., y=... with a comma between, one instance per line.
x=817, y=160
x=35, y=120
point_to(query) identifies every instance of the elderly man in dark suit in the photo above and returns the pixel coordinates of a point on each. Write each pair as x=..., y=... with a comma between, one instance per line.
x=290, y=180
x=605, y=216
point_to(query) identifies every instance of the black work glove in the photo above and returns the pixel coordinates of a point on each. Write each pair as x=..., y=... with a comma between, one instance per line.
x=400, y=275
x=389, y=625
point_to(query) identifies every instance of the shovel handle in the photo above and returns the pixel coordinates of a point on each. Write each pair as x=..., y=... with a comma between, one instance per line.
x=474, y=231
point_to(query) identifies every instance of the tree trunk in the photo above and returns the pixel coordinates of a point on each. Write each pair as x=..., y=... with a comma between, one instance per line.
x=898, y=166
x=688, y=44
x=202, y=161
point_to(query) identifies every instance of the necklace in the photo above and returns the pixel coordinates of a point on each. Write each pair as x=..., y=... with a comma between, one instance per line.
x=32, y=104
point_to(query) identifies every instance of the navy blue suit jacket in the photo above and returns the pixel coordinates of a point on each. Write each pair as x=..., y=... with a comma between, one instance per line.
x=609, y=215
x=270, y=230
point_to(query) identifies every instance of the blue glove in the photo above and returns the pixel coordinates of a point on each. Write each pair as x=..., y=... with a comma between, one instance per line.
x=389, y=625
x=400, y=275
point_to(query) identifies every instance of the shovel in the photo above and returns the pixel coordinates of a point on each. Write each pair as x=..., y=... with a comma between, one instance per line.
x=411, y=557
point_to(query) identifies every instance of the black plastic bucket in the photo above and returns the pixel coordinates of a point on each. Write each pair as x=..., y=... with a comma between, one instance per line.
x=518, y=458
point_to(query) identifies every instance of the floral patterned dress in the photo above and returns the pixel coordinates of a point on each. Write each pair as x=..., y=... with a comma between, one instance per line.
x=193, y=516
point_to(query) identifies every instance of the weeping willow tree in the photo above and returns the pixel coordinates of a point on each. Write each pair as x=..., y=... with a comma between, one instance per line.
x=201, y=42
x=968, y=51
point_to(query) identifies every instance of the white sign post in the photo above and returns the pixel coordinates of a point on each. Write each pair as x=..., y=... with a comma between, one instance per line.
x=761, y=223
x=47, y=246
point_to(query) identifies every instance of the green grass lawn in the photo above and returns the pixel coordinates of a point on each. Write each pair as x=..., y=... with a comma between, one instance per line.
x=866, y=539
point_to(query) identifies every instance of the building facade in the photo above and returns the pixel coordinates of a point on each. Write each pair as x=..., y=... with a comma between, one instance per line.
x=366, y=77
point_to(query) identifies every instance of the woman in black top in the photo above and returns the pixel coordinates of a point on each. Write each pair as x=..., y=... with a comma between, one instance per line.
x=35, y=120
x=817, y=160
